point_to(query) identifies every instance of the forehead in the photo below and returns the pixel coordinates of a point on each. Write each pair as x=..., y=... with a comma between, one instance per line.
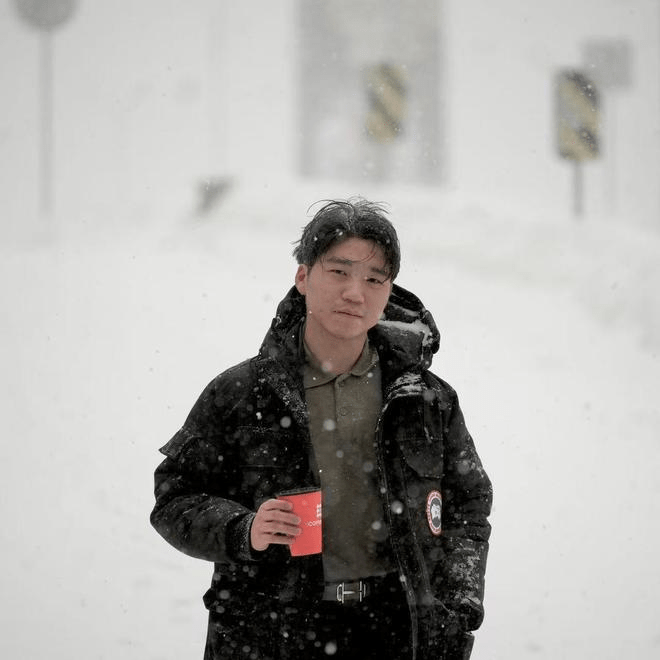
x=357, y=250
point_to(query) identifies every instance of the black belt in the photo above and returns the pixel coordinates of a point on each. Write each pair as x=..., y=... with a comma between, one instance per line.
x=355, y=591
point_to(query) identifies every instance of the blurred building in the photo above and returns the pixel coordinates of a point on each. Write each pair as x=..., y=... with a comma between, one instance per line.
x=156, y=100
x=370, y=90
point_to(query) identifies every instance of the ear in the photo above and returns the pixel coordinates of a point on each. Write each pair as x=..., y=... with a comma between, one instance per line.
x=301, y=279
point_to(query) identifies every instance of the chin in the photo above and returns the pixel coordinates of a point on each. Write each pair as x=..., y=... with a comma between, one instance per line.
x=351, y=330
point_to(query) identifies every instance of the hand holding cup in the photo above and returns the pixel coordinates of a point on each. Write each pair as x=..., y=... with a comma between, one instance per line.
x=274, y=523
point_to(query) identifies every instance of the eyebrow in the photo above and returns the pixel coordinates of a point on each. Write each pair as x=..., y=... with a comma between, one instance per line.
x=349, y=262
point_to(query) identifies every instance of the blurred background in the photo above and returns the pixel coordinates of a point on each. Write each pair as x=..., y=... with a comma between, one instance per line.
x=157, y=161
x=152, y=106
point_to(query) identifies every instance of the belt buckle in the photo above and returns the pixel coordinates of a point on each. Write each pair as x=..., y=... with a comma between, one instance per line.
x=343, y=592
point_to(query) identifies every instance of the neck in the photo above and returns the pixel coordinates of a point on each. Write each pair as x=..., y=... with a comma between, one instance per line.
x=337, y=356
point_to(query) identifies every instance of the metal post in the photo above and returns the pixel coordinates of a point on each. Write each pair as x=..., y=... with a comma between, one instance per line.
x=46, y=84
x=578, y=189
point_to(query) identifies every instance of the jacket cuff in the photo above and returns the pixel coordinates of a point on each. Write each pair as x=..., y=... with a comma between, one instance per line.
x=238, y=539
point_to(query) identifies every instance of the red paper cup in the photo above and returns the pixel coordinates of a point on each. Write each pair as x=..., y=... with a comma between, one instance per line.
x=307, y=506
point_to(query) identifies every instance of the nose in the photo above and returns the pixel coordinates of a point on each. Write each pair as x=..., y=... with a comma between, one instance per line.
x=353, y=291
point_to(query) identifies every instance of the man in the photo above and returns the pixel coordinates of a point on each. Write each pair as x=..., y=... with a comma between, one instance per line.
x=340, y=397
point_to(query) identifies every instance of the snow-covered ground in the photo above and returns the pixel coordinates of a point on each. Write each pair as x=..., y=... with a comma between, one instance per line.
x=551, y=332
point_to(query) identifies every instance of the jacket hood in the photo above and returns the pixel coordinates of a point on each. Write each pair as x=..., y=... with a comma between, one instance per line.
x=406, y=336
x=408, y=330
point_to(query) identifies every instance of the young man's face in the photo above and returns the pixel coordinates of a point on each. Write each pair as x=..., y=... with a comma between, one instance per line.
x=346, y=290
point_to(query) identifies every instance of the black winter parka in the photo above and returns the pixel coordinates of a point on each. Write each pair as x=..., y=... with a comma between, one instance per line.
x=247, y=438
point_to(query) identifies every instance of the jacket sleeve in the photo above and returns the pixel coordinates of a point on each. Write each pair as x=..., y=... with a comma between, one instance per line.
x=192, y=510
x=467, y=499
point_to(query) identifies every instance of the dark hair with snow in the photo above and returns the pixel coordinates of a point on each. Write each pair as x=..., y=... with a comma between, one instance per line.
x=338, y=220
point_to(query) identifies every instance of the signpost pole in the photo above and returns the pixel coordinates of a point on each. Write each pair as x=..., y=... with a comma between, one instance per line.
x=578, y=125
x=45, y=16
x=578, y=189
x=46, y=94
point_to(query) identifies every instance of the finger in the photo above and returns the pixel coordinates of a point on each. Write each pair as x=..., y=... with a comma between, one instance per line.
x=276, y=527
x=277, y=514
x=281, y=517
x=262, y=538
x=272, y=505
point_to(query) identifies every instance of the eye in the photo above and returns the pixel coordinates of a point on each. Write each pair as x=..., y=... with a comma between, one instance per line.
x=375, y=280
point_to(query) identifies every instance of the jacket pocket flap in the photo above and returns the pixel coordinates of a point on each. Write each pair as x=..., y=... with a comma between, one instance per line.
x=423, y=456
x=177, y=442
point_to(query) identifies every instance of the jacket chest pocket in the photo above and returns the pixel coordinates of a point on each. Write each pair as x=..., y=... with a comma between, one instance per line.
x=422, y=467
x=268, y=463
x=419, y=440
x=420, y=456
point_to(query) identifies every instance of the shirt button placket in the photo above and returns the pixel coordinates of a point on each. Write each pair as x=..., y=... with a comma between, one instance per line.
x=342, y=408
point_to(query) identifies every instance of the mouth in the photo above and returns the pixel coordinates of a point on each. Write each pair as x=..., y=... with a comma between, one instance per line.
x=347, y=313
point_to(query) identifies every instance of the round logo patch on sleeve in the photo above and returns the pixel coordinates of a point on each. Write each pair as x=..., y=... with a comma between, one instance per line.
x=434, y=512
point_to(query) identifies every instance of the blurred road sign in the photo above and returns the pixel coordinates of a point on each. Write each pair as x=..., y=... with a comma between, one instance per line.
x=45, y=14
x=386, y=85
x=578, y=116
x=608, y=62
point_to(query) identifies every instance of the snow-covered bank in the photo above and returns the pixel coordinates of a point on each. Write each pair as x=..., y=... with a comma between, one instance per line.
x=550, y=335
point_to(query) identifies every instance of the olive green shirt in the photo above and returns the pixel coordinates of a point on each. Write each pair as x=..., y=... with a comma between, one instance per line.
x=343, y=414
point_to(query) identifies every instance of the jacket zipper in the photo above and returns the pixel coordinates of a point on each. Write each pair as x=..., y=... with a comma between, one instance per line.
x=409, y=591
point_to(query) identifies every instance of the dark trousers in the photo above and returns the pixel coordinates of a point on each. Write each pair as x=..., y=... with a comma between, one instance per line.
x=377, y=628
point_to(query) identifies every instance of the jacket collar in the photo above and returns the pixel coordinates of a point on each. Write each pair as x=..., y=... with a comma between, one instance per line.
x=406, y=340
